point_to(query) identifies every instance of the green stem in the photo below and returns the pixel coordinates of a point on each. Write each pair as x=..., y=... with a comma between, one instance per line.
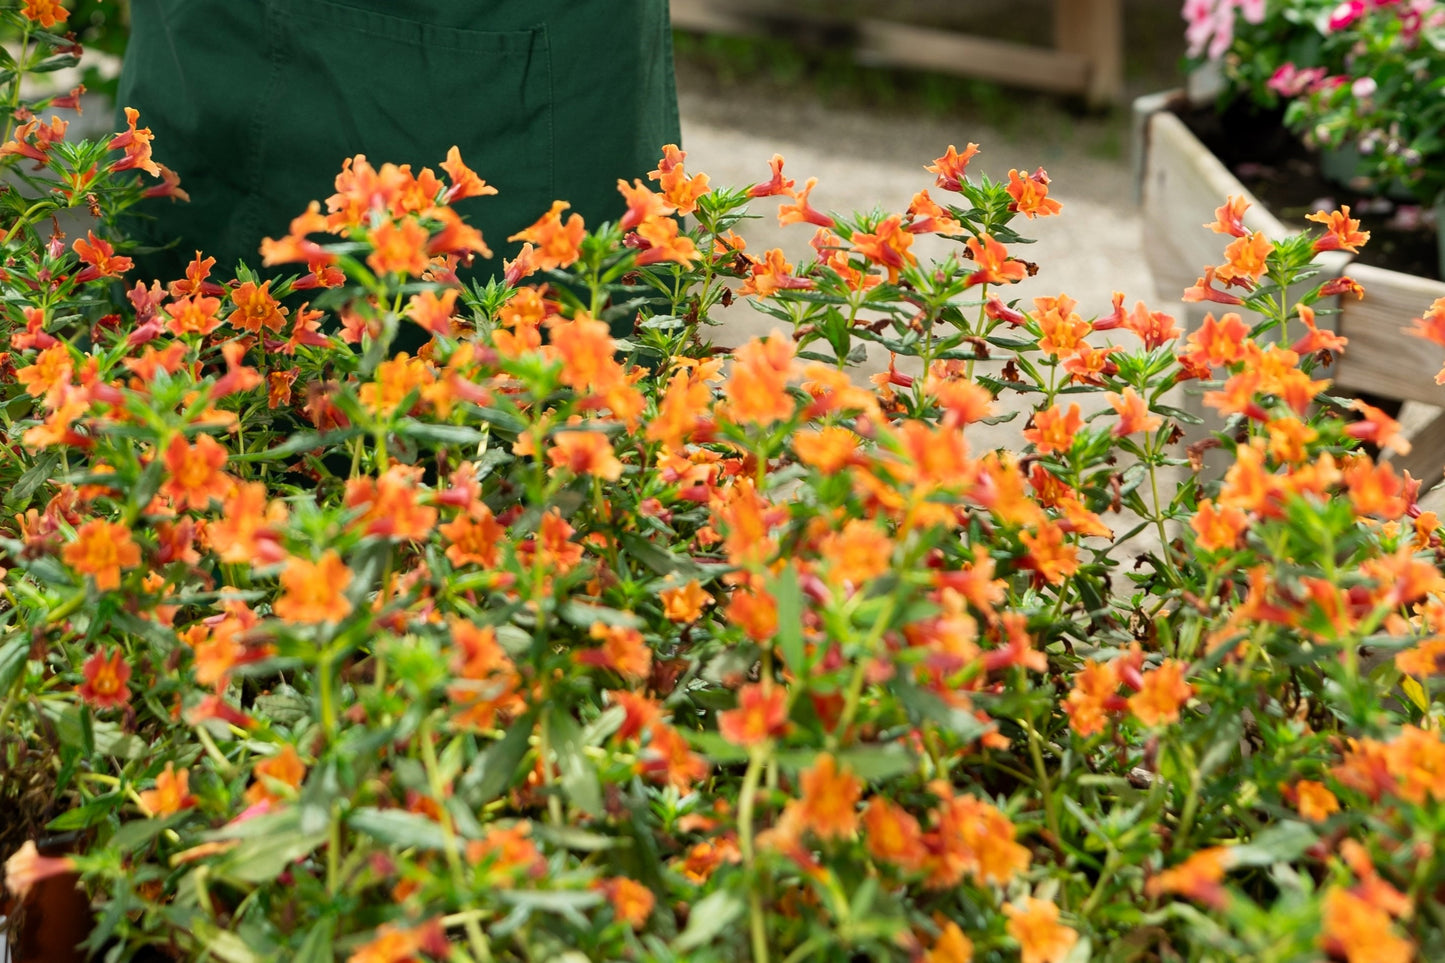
x=1051, y=805
x=758, y=922
x=475, y=936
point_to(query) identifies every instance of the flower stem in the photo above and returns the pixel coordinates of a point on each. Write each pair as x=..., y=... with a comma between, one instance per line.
x=758, y=923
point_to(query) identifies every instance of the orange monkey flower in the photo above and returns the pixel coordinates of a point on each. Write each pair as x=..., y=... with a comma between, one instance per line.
x=631, y=901
x=194, y=472
x=665, y=243
x=1133, y=413
x=777, y=184
x=556, y=244
x=1199, y=878
x=102, y=549
x=887, y=246
x=1049, y=554
x=994, y=264
x=952, y=946
x=99, y=258
x=1361, y=932
x=1229, y=218
x=584, y=453
x=1218, y=528
x=1244, y=259
x=772, y=274
x=474, y=538
x=256, y=308
x=1314, y=800
x=1041, y=937
x=893, y=835
x=1162, y=694
x=685, y=602
x=312, y=592
x=170, y=795
x=829, y=804
x=47, y=13
x=1030, y=194
x=861, y=551
x=49, y=373
x=761, y=714
x=757, y=391
x=193, y=315
x=104, y=685
x=1093, y=697
x=623, y=650
x=283, y=769
x=135, y=142
x=1054, y=429
x=951, y=166
x=643, y=204
x=801, y=211
x=668, y=758
x=465, y=182
x=1342, y=232
x=26, y=867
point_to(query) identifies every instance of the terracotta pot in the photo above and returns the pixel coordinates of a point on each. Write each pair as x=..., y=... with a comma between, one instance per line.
x=52, y=921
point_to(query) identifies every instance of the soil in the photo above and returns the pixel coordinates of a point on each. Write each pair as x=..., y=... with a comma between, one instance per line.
x=1285, y=176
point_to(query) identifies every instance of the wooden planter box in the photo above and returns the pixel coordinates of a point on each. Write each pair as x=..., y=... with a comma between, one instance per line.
x=1180, y=183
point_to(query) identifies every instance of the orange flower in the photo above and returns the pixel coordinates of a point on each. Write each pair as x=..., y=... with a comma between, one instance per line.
x=171, y=794
x=631, y=901
x=399, y=247
x=488, y=682
x=194, y=472
x=465, y=182
x=105, y=680
x=1342, y=232
x=1154, y=328
x=951, y=166
x=893, y=836
x=777, y=184
x=49, y=374
x=755, y=612
x=391, y=506
x=1093, y=697
x=1377, y=428
x=887, y=246
x=552, y=547
x=473, y=539
x=668, y=758
x=99, y=258
x=394, y=380
x=1416, y=759
x=135, y=142
x=762, y=713
x=275, y=774
x=1049, y=554
x=1199, y=878
x=828, y=450
x=26, y=867
x=1054, y=429
x=861, y=551
x=1133, y=413
x=195, y=315
x=623, y=650
x=1244, y=259
x=102, y=549
x=1360, y=931
x=829, y=804
x=684, y=603
x=1314, y=800
x=256, y=308
x=994, y=265
x=247, y=527
x=757, y=390
x=664, y=243
x=643, y=204
x=801, y=211
x=584, y=453
x=311, y=592
x=557, y=245
x=1162, y=694
x=1229, y=219
x=47, y=13
x=1031, y=194
x=508, y=852
x=1217, y=529
x=1036, y=927
x=950, y=947
x=680, y=190
x=390, y=945
x=771, y=274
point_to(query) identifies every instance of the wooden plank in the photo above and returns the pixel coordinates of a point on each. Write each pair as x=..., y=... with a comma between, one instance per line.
x=1426, y=460
x=1381, y=358
x=1094, y=29
x=885, y=43
x=889, y=43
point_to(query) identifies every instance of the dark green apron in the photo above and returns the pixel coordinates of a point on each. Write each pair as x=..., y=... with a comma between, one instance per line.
x=255, y=104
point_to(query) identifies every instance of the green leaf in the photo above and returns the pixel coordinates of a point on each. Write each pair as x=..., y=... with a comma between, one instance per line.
x=441, y=434
x=571, y=837
x=43, y=469
x=397, y=827
x=579, y=777
x=263, y=858
x=712, y=914
x=567, y=904
x=1282, y=843
x=316, y=948
x=12, y=660
x=492, y=772
x=583, y=616
x=789, y=596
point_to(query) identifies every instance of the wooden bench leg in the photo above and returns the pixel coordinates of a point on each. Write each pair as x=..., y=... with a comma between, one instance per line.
x=1094, y=29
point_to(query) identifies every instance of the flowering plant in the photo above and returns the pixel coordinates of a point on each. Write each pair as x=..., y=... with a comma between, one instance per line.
x=1361, y=74
x=545, y=644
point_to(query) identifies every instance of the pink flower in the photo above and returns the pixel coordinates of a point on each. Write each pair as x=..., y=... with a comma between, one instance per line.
x=1364, y=88
x=1253, y=10
x=1346, y=14
x=27, y=867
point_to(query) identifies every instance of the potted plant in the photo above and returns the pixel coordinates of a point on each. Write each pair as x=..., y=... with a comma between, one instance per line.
x=1354, y=77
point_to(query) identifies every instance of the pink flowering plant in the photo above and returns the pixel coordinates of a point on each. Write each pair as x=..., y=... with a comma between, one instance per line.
x=1362, y=75
x=577, y=636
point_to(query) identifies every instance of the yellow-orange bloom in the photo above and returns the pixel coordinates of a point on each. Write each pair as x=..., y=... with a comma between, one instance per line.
x=1360, y=931
x=951, y=947
x=194, y=472
x=312, y=592
x=102, y=549
x=47, y=13
x=105, y=680
x=1162, y=694
x=1314, y=800
x=1199, y=878
x=1030, y=193
x=1133, y=413
x=1054, y=429
x=829, y=805
x=684, y=603
x=762, y=713
x=893, y=835
x=584, y=453
x=275, y=774
x=861, y=551
x=556, y=244
x=1040, y=935
x=170, y=795
x=631, y=901
x=26, y=867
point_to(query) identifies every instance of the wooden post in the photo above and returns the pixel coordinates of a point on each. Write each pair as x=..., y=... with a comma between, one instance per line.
x=1094, y=29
